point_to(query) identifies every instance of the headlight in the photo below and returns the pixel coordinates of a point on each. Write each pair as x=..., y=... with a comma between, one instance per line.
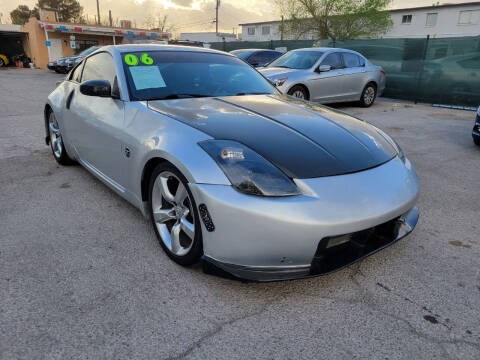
x=77, y=60
x=249, y=172
x=280, y=82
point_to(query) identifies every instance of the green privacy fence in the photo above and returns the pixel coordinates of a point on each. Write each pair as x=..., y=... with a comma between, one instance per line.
x=439, y=71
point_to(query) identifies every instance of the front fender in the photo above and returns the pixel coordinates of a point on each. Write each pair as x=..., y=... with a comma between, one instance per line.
x=154, y=135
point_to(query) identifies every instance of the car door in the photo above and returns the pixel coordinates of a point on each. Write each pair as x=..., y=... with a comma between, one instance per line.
x=328, y=86
x=355, y=76
x=97, y=123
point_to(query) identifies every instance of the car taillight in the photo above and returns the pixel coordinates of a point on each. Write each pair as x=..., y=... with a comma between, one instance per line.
x=383, y=73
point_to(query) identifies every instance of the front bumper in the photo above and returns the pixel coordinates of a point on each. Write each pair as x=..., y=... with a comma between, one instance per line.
x=476, y=127
x=265, y=239
x=346, y=250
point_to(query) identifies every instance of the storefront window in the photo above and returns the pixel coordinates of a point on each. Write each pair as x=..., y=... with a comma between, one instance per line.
x=81, y=45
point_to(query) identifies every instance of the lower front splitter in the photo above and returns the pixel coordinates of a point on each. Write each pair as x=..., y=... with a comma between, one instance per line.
x=333, y=253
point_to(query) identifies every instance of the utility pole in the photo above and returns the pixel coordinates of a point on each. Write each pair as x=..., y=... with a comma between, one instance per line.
x=216, y=17
x=110, y=17
x=281, y=29
x=98, y=13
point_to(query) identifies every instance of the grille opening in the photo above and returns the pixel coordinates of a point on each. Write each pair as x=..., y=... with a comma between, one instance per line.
x=338, y=251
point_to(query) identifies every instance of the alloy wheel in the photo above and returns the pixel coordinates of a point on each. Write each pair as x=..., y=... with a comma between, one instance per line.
x=298, y=94
x=173, y=214
x=369, y=95
x=55, y=137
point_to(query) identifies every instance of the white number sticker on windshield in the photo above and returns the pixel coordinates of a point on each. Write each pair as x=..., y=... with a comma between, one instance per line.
x=147, y=77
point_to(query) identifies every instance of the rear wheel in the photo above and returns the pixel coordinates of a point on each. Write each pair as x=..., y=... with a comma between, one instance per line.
x=369, y=95
x=174, y=215
x=56, y=141
x=298, y=91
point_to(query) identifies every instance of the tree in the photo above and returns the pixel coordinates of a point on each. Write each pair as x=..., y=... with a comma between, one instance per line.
x=335, y=19
x=159, y=23
x=67, y=10
x=21, y=14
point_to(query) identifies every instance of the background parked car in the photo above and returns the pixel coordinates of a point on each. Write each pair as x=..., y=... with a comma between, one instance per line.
x=65, y=64
x=476, y=129
x=257, y=57
x=327, y=75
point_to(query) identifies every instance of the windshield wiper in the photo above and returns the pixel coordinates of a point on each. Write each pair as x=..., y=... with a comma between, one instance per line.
x=178, y=96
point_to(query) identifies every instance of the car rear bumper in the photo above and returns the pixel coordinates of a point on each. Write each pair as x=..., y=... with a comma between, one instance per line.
x=266, y=239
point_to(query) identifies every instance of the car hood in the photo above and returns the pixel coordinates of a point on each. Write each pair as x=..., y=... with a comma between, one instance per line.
x=276, y=72
x=304, y=140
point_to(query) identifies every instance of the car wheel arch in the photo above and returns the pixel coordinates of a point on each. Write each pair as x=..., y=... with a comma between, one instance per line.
x=150, y=166
x=303, y=86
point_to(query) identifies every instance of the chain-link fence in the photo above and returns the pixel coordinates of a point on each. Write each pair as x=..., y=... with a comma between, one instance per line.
x=440, y=71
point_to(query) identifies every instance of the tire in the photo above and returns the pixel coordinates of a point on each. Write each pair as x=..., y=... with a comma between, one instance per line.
x=56, y=141
x=175, y=216
x=2, y=63
x=369, y=94
x=476, y=140
x=299, y=91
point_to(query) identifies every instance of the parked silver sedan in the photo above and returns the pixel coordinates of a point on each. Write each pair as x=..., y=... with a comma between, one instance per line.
x=327, y=75
x=255, y=183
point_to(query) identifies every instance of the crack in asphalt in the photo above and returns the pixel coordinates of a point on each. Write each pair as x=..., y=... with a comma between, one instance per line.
x=369, y=301
x=220, y=326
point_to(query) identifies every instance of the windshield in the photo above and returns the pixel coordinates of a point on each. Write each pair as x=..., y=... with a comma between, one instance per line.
x=297, y=59
x=161, y=75
x=242, y=54
x=89, y=50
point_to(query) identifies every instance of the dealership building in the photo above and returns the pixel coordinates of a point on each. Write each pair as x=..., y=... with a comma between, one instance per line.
x=47, y=39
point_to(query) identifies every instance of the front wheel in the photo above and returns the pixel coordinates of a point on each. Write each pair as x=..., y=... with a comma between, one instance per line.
x=476, y=140
x=174, y=215
x=369, y=95
x=56, y=141
x=298, y=92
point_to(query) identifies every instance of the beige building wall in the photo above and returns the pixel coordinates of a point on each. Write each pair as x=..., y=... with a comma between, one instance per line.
x=37, y=50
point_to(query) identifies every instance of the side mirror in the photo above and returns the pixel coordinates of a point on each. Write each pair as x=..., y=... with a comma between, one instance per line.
x=324, y=68
x=101, y=88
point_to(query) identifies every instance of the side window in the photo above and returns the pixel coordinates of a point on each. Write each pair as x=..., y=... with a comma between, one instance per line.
x=99, y=67
x=266, y=57
x=77, y=73
x=272, y=55
x=334, y=60
x=351, y=60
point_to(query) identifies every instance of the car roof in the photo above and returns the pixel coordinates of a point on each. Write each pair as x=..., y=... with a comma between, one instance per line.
x=252, y=50
x=158, y=47
x=325, y=49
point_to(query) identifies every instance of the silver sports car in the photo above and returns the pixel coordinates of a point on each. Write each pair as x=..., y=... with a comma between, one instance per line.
x=258, y=185
x=327, y=75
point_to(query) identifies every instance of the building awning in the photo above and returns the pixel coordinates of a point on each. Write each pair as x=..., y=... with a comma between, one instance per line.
x=98, y=30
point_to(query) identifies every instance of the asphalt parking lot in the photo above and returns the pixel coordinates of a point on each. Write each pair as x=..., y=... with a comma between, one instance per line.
x=82, y=275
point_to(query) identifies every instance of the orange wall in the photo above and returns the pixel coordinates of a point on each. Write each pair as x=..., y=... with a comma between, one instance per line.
x=36, y=41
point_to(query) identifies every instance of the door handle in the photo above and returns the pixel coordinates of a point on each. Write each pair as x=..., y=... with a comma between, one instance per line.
x=69, y=99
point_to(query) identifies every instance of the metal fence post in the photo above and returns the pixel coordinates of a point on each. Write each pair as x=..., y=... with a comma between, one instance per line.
x=419, y=91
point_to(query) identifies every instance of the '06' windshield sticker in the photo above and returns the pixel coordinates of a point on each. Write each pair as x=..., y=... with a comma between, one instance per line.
x=132, y=60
